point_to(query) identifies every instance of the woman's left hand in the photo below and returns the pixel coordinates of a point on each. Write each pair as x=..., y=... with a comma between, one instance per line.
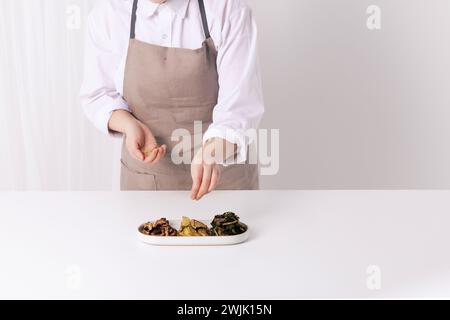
x=205, y=169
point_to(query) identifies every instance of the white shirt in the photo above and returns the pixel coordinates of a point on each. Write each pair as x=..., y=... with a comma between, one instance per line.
x=176, y=23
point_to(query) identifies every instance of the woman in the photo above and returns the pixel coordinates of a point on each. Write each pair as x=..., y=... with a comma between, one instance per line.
x=155, y=67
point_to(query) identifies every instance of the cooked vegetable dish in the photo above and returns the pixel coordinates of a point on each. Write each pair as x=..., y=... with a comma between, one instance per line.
x=227, y=224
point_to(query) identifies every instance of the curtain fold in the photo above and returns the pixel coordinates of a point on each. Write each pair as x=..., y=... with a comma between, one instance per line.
x=45, y=141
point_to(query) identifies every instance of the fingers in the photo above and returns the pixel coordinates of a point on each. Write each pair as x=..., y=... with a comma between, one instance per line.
x=215, y=179
x=161, y=154
x=149, y=147
x=164, y=150
x=206, y=181
x=136, y=152
x=151, y=156
x=197, y=173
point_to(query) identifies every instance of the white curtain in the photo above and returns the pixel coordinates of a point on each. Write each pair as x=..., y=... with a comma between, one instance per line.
x=45, y=141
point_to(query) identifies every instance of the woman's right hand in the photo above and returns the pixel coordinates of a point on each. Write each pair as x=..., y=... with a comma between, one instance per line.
x=142, y=145
x=139, y=140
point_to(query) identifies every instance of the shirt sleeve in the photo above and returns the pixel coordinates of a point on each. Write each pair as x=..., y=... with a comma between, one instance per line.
x=241, y=104
x=99, y=97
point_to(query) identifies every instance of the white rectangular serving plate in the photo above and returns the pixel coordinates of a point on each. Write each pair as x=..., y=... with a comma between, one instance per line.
x=191, y=241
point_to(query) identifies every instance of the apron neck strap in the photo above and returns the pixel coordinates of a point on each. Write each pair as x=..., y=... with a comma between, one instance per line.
x=133, y=20
x=202, y=13
x=204, y=19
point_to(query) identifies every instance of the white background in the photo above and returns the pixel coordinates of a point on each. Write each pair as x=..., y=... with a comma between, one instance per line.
x=356, y=108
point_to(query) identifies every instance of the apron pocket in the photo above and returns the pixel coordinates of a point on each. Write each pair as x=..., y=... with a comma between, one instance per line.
x=131, y=180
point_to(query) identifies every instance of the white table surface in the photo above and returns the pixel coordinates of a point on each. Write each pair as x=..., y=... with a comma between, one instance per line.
x=304, y=244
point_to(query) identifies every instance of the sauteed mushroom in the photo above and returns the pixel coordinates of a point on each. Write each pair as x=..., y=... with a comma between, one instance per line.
x=159, y=228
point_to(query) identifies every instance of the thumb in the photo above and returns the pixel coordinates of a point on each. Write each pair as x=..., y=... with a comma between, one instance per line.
x=150, y=143
x=135, y=151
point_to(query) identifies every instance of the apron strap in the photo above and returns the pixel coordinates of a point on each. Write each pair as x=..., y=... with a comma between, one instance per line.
x=204, y=19
x=202, y=13
x=133, y=20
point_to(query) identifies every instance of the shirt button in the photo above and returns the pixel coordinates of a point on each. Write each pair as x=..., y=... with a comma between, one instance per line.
x=164, y=36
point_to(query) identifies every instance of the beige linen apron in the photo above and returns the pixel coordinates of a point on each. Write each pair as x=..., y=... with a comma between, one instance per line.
x=169, y=89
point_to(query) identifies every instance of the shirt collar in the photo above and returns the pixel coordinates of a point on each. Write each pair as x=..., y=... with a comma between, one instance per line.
x=148, y=8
